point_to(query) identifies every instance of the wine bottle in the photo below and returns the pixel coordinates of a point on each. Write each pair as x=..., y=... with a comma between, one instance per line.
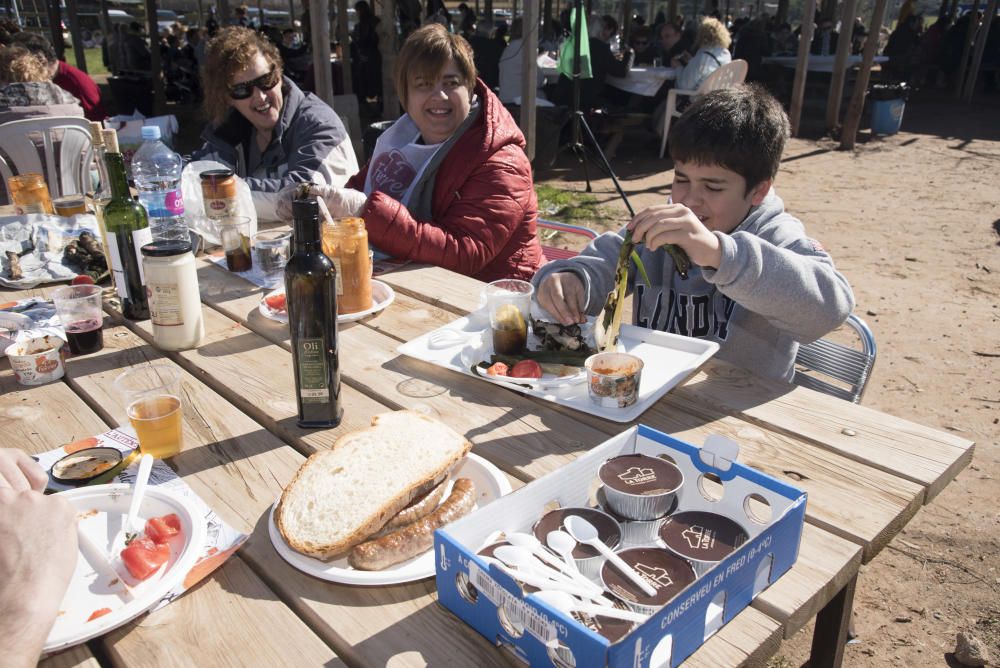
x=128, y=231
x=311, y=297
x=101, y=196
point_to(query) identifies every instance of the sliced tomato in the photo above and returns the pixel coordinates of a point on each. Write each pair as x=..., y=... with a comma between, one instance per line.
x=98, y=613
x=498, y=369
x=143, y=557
x=162, y=529
x=527, y=369
x=276, y=302
x=82, y=279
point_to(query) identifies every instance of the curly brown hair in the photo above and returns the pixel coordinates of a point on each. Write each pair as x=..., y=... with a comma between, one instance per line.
x=226, y=54
x=18, y=65
x=426, y=52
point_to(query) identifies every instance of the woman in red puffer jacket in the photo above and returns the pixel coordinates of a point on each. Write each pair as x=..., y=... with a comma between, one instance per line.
x=449, y=183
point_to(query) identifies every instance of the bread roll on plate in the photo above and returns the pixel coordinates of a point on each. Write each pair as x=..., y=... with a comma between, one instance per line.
x=340, y=497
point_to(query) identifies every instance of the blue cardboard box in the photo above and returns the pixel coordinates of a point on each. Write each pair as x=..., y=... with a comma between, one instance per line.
x=491, y=602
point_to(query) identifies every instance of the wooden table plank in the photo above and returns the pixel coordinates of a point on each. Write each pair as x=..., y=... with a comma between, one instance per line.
x=79, y=656
x=750, y=643
x=826, y=564
x=237, y=598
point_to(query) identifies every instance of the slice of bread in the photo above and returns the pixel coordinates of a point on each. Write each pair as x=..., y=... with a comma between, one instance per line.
x=340, y=497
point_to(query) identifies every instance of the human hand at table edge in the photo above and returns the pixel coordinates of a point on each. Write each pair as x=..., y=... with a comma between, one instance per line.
x=662, y=224
x=341, y=202
x=38, y=553
x=20, y=472
x=562, y=294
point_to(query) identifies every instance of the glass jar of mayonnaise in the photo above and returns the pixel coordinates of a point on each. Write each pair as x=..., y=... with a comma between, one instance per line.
x=174, y=299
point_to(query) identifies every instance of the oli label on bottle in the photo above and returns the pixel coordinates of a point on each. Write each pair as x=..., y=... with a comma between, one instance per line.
x=311, y=359
x=165, y=304
x=139, y=239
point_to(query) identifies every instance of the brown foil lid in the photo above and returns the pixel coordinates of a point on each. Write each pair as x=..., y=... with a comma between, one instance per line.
x=607, y=529
x=641, y=475
x=611, y=628
x=662, y=569
x=702, y=536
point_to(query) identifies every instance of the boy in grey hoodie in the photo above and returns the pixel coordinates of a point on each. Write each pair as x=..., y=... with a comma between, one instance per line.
x=758, y=285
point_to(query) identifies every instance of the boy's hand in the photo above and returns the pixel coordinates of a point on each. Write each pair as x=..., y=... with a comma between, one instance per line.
x=562, y=295
x=676, y=224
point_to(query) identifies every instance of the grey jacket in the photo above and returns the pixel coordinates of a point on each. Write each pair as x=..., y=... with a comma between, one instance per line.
x=310, y=143
x=774, y=289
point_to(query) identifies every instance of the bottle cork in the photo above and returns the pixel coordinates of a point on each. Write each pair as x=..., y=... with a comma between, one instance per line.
x=110, y=141
x=95, y=134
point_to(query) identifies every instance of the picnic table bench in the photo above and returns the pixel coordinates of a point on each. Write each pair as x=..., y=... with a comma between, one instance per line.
x=866, y=474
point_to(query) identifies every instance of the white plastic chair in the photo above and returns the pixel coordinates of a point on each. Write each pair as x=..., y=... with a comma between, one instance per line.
x=849, y=366
x=729, y=75
x=58, y=147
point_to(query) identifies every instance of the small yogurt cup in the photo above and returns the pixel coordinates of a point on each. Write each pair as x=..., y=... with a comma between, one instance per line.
x=661, y=569
x=640, y=487
x=702, y=538
x=613, y=379
x=38, y=360
x=587, y=558
x=636, y=533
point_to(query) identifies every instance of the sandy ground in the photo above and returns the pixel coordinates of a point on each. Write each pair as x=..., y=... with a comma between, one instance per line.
x=913, y=221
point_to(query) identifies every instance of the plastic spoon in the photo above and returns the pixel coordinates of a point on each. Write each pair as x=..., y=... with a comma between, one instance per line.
x=586, y=533
x=563, y=544
x=138, y=491
x=530, y=578
x=563, y=601
x=524, y=560
x=533, y=547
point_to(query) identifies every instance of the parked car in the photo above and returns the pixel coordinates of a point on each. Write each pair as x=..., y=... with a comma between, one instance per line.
x=166, y=18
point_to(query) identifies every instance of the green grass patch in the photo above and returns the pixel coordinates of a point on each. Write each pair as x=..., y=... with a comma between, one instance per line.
x=567, y=206
x=95, y=65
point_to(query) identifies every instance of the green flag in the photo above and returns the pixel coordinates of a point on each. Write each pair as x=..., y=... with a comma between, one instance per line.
x=566, y=53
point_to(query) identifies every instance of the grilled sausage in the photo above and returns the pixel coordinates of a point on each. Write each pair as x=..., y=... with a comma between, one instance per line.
x=416, y=538
x=420, y=507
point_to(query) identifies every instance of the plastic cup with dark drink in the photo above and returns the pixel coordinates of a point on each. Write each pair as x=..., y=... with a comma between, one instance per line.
x=79, y=309
x=234, y=234
x=509, y=305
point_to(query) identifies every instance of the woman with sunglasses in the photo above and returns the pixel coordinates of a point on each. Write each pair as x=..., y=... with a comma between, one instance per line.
x=448, y=183
x=263, y=126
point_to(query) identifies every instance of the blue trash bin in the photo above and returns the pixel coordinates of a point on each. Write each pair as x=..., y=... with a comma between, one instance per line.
x=887, y=101
x=887, y=116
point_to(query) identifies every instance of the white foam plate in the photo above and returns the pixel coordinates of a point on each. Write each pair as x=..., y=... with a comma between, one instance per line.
x=667, y=358
x=382, y=296
x=12, y=322
x=100, y=511
x=490, y=484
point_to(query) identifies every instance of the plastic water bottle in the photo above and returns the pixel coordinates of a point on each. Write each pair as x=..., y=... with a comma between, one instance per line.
x=156, y=171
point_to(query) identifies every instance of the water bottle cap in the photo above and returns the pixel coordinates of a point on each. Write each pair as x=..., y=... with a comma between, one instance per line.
x=150, y=132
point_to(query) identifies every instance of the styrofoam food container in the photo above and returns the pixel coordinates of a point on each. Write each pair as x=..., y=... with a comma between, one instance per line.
x=38, y=360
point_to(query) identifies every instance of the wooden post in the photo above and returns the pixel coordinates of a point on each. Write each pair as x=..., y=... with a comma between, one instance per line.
x=55, y=28
x=852, y=121
x=155, y=73
x=345, y=45
x=529, y=82
x=260, y=14
x=840, y=65
x=222, y=14
x=201, y=15
x=74, y=31
x=388, y=44
x=966, y=47
x=953, y=10
x=488, y=9
x=801, y=66
x=671, y=11
x=626, y=24
x=977, y=57
x=291, y=14
x=513, y=11
x=782, y=13
x=319, y=28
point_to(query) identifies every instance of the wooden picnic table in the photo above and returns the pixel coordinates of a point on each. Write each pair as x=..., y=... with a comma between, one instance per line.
x=866, y=473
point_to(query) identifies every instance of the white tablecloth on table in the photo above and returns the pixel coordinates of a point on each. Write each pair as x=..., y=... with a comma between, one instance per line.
x=817, y=63
x=643, y=80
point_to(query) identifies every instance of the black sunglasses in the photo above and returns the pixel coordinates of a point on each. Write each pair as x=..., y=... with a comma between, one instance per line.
x=242, y=91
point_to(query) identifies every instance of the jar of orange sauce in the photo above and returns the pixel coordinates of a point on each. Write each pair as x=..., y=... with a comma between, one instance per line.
x=345, y=242
x=30, y=193
x=219, y=193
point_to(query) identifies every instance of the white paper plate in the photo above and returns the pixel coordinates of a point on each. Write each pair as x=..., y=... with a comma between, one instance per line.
x=382, y=296
x=100, y=511
x=12, y=322
x=490, y=484
x=667, y=358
